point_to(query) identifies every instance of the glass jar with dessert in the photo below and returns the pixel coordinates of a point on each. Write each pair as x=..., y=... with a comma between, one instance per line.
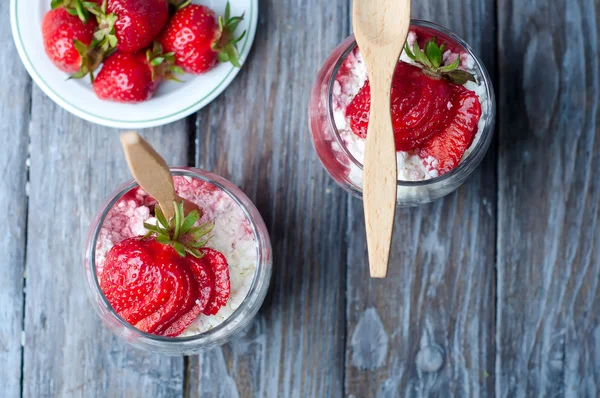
x=178, y=286
x=443, y=114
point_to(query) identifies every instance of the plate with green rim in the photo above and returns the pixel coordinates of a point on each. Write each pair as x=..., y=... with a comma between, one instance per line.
x=171, y=102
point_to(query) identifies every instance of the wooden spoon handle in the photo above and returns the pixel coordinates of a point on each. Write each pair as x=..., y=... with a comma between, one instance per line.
x=380, y=173
x=150, y=171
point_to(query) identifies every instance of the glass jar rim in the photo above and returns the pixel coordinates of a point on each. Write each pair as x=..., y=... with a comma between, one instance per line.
x=474, y=158
x=211, y=335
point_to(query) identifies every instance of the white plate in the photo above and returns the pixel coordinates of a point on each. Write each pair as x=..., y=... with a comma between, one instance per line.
x=172, y=101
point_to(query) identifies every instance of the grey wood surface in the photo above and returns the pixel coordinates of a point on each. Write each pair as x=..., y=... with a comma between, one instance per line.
x=14, y=118
x=428, y=329
x=548, y=315
x=256, y=135
x=492, y=291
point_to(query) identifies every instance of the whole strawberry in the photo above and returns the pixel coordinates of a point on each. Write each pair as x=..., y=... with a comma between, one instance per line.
x=61, y=32
x=199, y=39
x=134, y=78
x=129, y=25
x=125, y=78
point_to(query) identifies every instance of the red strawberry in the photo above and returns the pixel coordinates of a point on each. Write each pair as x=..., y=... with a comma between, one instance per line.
x=199, y=39
x=153, y=285
x=133, y=282
x=125, y=78
x=130, y=25
x=205, y=280
x=134, y=77
x=431, y=110
x=61, y=31
x=182, y=296
x=448, y=147
x=218, y=263
x=419, y=107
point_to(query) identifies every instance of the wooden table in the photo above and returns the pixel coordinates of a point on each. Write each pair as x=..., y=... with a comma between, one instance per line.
x=492, y=291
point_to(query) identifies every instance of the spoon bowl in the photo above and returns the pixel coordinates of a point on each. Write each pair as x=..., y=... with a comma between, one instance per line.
x=378, y=21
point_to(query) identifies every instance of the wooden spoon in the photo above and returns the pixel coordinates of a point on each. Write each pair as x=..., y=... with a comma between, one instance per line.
x=152, y=173
x=380, y=28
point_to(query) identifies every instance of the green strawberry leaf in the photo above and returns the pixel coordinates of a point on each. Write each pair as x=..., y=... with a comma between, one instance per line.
x=239, y=38
x=194, y=252
x=157, y=61
x=421, y=57
x=449, y=68
x=189, y=221
x=459, y=76
x=160, y=217
x=433, y=53
x=223, y=57
x=227, y=11
x=179, y=248
x=409, y=53
x=54, y=4
x=163, y=239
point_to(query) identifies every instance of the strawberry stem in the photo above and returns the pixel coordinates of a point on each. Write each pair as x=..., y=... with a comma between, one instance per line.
x=225, y=42
x=179, y=232
x=430, y=60
x=161, y=64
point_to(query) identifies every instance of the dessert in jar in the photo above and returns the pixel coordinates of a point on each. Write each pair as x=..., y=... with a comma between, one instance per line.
x=181, y=285
x=443, y=114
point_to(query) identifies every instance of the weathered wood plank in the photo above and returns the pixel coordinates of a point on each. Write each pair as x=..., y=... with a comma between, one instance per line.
x=68, y=352
x=548, y=335
x=256, y=134
x=427, y=330
x=14, y=118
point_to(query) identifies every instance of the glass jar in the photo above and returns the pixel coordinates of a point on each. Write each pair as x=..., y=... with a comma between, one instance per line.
x=216, y=336
x=346, y=170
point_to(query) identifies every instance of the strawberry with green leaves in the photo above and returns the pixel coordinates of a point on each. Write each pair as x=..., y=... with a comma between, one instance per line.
x=129, y=25
x=432, y=112
x=199, y=39
x=67, y=36
x=162, y=282
x=133, y=78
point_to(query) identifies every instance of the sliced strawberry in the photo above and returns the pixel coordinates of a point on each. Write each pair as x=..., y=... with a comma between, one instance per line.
x=218, y=263
x=205, y=285
x=448, y=147
x=161, y=284
x=419, y=107
x=182, y=296
x=132, y=284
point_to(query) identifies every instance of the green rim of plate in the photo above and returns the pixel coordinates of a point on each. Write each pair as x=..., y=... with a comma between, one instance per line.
x=233, y=68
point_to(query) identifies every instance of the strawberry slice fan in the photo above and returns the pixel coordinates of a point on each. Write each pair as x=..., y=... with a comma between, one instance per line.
x=432, y=112
x=161, y=282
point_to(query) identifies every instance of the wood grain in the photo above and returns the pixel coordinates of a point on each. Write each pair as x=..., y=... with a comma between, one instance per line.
x=256, y=134
x=548, y=336
x=68, y=352
x=14, y=119
x=427, y=330
x=380, y=29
